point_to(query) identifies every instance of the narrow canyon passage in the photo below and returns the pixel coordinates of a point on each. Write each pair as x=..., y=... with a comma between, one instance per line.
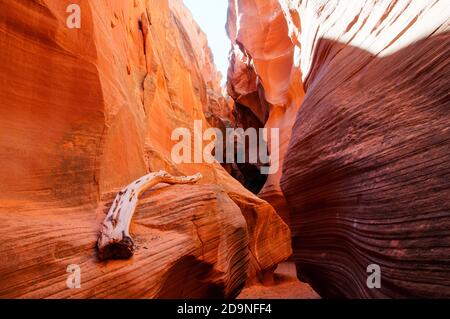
x=313, y=162
x=360, y=94
x=283, y=285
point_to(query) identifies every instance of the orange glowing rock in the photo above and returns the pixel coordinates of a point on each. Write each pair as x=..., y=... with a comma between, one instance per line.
x=85, y=112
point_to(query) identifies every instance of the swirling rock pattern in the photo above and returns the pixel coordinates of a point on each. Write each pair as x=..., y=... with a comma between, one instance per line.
x=366, y=172
x=193, y=250
x=85, y=112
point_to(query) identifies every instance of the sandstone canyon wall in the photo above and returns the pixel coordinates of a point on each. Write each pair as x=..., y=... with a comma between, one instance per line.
x=86, y=111
x=361, y=91
x=263, y=79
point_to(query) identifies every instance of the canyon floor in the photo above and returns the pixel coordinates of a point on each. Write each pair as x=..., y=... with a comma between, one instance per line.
x=285, y=286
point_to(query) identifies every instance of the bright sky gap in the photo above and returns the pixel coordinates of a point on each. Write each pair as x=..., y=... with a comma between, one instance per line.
x=211, y=16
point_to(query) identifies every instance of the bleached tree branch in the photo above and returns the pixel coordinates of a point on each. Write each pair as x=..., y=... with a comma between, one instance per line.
x=114, y=241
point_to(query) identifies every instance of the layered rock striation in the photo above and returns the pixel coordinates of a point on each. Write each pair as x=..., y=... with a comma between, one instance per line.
x=365, y=174
x=85, y=112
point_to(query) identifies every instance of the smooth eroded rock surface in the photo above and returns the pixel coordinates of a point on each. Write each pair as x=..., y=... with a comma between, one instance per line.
x=263, y=80
x=85, y=112
x=365, y=173
x=194, y=249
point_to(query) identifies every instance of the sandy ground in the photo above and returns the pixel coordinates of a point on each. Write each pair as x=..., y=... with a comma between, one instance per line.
x=286, y=286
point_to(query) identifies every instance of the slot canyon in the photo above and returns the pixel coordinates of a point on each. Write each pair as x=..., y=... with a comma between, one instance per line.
x=359, y=91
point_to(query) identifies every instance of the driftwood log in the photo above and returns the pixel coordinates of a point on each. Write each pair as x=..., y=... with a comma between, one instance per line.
x=114, y=241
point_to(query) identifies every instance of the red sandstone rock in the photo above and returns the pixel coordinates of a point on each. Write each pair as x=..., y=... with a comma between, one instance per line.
x=197, y=249
x=366, y=171
x=263, y=78
x=285, y=286
x=86, y=111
